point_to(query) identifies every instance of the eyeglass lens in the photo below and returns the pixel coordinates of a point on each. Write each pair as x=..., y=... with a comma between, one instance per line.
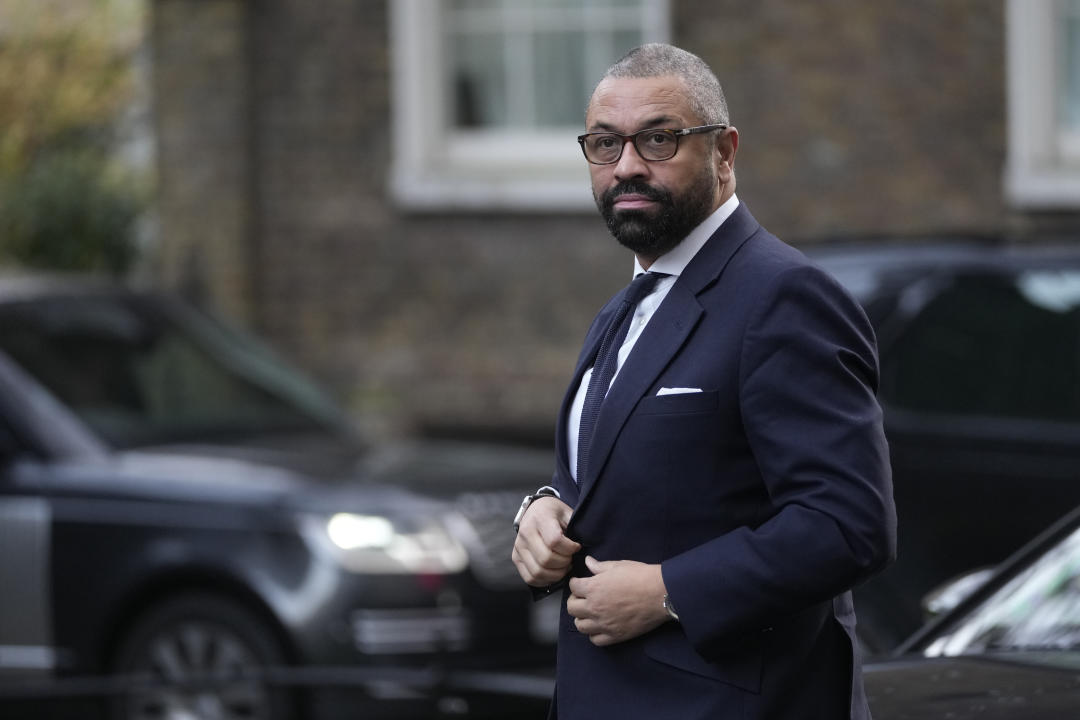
x=606, y=148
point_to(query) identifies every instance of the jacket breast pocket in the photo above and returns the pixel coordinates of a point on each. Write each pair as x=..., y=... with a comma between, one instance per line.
x=740, y=668
x=679, y=403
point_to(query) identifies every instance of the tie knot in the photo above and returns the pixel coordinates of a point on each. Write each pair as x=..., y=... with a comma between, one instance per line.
x=642, y=286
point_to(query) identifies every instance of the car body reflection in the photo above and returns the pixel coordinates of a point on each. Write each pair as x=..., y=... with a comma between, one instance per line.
x=1011, y=649
x=979, y=345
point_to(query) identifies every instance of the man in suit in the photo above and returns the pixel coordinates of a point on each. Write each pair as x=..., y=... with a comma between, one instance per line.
x=714, y=503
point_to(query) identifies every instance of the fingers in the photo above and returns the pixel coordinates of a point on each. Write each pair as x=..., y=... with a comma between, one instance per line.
x=601, y=639
x=550, y=517
x=556, y=542
x=579, y=610
x=550, y=549
x=538, y=564
x=592, y=629
x=621, y=600
x=542, y=553
x=538, y=567
x=595, y=566
x=585, y=623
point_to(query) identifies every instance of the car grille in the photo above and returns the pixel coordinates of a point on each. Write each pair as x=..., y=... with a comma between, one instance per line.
x=489, y=536
x=410, y=631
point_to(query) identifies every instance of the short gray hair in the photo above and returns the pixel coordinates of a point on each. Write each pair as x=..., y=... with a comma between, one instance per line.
x=706, y=98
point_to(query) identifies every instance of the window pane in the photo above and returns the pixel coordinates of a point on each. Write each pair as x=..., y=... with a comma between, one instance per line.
x=560, y=78
x=479, y=89
x=533, y=64
x=138, y=372
x=1070, y=75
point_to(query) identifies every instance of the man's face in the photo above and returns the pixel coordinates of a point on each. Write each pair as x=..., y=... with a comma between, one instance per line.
x=651, y=206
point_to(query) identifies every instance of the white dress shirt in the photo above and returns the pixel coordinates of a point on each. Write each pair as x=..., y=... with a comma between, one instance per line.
x=671, y=263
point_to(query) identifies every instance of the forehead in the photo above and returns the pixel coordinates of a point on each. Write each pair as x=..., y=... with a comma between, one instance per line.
x=633, y=103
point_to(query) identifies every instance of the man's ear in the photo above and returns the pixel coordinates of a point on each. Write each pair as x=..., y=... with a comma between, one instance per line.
x=727, y=144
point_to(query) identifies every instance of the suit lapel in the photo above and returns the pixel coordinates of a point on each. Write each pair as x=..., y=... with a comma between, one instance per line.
x=663, y=336
x=666, y=333
x=713, y=257
x=593, y=339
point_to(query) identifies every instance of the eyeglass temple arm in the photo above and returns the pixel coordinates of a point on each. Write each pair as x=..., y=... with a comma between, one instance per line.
x=700, y=129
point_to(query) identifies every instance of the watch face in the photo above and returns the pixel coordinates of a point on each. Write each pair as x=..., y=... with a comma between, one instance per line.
x=545, y=491
x=521, y=511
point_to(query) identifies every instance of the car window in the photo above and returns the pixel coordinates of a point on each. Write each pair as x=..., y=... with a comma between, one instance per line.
x=992, y=345
x=1038, y=609
x=140, y=372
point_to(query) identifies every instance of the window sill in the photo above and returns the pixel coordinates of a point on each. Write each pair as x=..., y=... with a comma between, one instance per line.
x=434, y=192
x=1031, y=189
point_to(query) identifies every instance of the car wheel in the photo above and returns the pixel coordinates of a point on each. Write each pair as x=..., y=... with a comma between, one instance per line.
x=198, y=656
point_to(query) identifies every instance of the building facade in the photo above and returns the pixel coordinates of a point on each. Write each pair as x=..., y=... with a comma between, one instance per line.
x=390, y=190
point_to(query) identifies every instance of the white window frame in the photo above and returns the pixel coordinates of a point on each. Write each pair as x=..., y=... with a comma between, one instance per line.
x=437, y=168
x=1042, y=169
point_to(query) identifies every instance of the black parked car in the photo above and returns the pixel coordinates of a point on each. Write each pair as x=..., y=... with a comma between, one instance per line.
x=980, y=382
x=1011, y=650
x=177, y=505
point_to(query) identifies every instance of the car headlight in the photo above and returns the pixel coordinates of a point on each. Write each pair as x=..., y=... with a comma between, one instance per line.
x=380, y=545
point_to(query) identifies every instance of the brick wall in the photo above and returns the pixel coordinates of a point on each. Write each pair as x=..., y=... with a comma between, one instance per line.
x=201, y=106
x=854, y=117
x=862, y=117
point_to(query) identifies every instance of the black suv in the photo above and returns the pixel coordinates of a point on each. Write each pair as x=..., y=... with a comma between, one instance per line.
x=980, y=381
x=178, y=506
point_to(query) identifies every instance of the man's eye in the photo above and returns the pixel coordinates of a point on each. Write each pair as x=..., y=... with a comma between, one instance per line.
x=605, y=142
x=659, y=138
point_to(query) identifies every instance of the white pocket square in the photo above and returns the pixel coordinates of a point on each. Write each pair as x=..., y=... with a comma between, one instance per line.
x=676, y=391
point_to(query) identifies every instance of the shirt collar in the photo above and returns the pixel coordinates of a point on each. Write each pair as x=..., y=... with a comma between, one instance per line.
x=674, y=261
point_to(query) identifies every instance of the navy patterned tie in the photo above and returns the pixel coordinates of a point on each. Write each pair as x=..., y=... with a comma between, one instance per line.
x=607, y=360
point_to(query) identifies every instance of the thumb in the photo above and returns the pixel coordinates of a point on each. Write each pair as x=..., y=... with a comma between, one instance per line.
x=595, y=566
x=564, y=514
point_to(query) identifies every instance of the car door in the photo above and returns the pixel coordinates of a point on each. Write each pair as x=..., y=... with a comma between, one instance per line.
x=34, y=431
x=25, y=632
x=981, y=387
x=26, y=647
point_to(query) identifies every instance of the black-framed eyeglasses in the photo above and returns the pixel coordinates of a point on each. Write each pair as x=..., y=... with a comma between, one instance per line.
x=653, y=144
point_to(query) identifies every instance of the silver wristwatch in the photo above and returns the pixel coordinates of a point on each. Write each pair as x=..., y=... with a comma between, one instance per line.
x=546, y=491
x=670, y=608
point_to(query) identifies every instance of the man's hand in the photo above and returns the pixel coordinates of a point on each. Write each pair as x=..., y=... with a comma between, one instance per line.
x=542, y=552
x=622, y=600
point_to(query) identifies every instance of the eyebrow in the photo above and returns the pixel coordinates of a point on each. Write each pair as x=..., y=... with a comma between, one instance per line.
x=653, y=122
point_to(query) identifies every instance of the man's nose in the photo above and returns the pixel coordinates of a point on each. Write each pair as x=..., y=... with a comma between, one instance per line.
x=630, y=163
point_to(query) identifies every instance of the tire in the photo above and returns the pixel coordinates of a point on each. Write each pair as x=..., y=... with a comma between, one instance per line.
x=196, y=637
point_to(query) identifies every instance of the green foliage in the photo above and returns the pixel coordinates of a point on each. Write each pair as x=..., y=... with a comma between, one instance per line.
x=66, y=213
x=65, y=79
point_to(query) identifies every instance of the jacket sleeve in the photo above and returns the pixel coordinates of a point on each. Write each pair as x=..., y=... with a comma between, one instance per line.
x=808, y=378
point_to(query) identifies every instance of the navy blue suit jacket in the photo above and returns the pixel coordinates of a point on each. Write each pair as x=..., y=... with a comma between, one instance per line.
x=765, y=497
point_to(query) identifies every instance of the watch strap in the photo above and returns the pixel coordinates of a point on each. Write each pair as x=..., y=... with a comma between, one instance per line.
x=670, y=607
x=546, y=491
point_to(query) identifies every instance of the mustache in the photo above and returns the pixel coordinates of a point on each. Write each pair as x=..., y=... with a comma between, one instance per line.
x=633, y=187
